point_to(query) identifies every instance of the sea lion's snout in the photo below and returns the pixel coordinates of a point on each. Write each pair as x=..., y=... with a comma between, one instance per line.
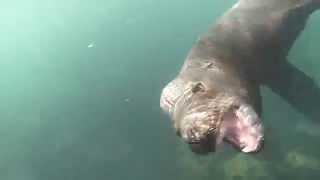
x=208, y=121
x=196, y=132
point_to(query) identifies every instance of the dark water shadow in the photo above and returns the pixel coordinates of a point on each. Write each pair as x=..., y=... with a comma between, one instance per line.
x=302, y=93
x=297, y=88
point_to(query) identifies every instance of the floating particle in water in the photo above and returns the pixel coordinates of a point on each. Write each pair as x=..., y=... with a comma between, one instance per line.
x=127, y=100
x=91, y=45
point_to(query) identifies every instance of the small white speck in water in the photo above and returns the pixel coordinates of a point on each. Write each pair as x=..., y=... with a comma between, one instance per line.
x=91, y=45
x=127, y=100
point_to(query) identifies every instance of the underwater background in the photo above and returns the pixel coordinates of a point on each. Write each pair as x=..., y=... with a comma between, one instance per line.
x=80, y=83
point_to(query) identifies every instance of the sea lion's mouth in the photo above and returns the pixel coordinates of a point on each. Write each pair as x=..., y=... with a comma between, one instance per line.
x=243, y=129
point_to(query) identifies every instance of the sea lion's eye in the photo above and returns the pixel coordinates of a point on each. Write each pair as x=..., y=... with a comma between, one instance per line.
x=198, y=87
x=235, y=107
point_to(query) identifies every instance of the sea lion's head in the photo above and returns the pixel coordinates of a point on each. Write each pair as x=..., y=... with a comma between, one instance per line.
x=205, y=118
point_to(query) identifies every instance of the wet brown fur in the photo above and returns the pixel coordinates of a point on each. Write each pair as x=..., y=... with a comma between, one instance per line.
x=237, y=55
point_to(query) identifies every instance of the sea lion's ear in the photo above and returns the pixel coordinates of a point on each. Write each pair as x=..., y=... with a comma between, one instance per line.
x=198, y=87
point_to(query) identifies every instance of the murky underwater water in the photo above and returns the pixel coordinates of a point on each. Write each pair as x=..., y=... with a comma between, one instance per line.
x=80, y=86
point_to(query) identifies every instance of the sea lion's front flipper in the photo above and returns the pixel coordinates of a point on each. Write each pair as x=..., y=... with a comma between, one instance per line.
x=298, y=89
x=255, y=97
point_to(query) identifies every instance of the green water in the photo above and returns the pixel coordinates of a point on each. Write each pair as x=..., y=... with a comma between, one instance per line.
x=80, y=86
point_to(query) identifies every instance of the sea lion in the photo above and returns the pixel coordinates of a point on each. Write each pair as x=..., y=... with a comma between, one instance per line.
x=215, y=97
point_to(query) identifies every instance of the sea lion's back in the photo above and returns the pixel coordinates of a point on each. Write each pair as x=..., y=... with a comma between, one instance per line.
x=253, y=34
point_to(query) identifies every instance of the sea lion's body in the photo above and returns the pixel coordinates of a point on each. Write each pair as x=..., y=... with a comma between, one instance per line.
x=239, y=53
x=252, y=35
